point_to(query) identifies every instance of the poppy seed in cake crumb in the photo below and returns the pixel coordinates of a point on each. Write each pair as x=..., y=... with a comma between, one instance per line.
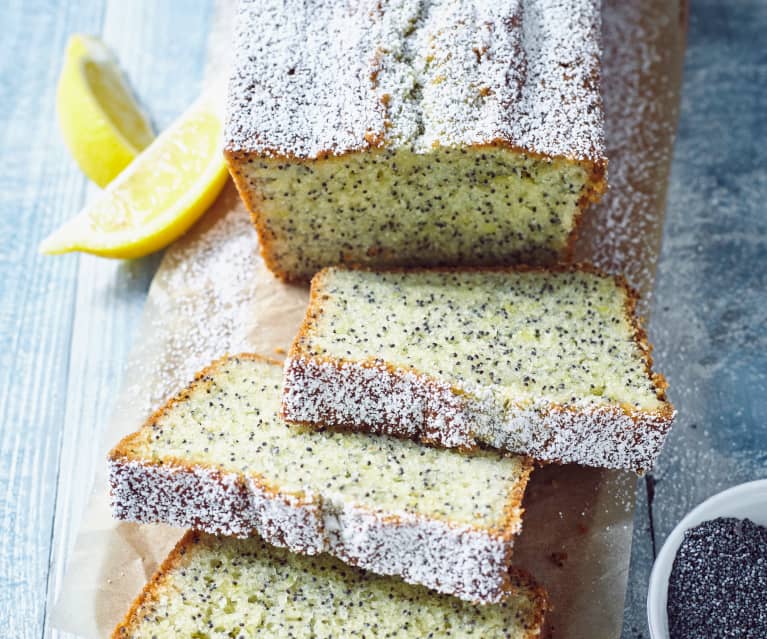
x=233, y=466
x=220, y=588
x=469, y=357
x=395, y=161
x=718, y=583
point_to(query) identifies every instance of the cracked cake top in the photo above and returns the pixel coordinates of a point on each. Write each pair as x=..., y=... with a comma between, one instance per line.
x=315, y=78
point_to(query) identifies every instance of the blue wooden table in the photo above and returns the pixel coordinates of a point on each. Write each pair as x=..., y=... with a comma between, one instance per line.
x=66, y=323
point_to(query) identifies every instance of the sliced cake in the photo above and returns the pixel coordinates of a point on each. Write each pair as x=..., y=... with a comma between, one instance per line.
x=551, y=364
x=219, y=458
x=402, y=133
x=225, y=588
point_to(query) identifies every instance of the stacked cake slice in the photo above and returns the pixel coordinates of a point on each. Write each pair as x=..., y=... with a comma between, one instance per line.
x=461, y=359
x=219, y=458
x=551, y=364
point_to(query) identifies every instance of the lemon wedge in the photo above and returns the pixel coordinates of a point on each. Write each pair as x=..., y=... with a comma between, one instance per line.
x=158, y=197
x=100, y=120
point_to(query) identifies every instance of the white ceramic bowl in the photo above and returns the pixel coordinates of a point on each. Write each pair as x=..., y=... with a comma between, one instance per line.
x=746, y=500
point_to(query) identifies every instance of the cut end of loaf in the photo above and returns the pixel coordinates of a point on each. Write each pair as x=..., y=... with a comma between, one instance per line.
x=457, y=134
x=479, y=206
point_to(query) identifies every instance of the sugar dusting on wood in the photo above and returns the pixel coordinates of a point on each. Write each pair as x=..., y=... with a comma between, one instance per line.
x=640, y=80
x=199, y=308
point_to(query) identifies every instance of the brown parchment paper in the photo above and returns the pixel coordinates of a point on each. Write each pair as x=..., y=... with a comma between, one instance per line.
x=212, y=294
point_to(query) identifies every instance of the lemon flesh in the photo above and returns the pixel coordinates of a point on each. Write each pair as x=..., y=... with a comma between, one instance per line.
x=158, y=197
x=100, y=120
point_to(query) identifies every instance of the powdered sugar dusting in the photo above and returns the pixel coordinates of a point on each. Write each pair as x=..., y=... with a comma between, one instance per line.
x=640, y=80
x=210, y=297
x=417, y=73
x=459, y=560
x=371, y=397
x=637, y=61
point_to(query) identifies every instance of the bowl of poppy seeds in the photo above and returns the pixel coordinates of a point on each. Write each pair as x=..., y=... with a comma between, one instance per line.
x=710, y=578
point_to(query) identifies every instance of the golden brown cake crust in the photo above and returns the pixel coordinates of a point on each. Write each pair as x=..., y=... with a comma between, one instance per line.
x=152, y=587
x=629, y=438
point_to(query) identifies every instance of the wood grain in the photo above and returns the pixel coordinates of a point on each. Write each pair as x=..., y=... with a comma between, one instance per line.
x=39, y=188
x=709, y=322
x=66, y=322
x=710, y=325
x=162, y=49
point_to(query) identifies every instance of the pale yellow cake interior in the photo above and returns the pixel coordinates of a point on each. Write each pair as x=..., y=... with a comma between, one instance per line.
x=229, y=421
x=526, y=337
x=441, y=206
x=416, y=132
x=223, y=588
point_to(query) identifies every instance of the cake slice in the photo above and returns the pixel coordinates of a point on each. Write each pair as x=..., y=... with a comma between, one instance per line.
x=403, y=133
x=550, y=364
x=219, y=458
x=224, y=588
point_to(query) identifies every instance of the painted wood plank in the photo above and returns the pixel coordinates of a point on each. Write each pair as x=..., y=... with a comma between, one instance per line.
x=642, y=557
x=166, y=73
x=39, y=188
x=709, y=323
x=725, y=415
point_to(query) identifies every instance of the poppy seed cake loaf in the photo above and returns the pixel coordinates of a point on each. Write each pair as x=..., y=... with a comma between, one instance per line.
x=551, y=364
x=415, y=132
x=226, y=588
x=220, y=459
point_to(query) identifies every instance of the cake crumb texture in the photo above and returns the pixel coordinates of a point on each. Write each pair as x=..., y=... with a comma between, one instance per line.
x=219, y=458
x=224, y=588
x=549, y=363
x=457, y=133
